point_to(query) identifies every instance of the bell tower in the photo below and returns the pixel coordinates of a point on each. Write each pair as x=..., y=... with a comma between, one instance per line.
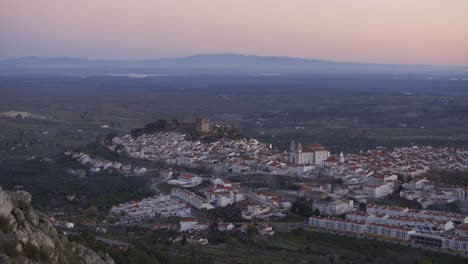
x=341, y=159
x=292, y=152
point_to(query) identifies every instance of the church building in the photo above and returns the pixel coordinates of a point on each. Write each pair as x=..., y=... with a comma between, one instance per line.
x=312, y=155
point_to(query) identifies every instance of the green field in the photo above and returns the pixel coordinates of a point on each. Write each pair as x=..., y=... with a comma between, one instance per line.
x=312, y=247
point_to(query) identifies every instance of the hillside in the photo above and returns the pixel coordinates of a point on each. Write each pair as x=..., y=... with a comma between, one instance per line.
x=28, y=237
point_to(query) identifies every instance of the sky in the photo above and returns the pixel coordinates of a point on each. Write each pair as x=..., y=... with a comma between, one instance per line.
x=376, y=31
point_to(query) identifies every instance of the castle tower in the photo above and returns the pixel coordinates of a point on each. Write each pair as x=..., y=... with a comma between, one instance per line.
x=202, y=125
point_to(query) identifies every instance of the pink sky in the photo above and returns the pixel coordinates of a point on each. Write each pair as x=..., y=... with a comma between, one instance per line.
x=383, y=31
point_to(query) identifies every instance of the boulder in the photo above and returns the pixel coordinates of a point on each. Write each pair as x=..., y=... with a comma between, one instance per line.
x=31, y=216
x=20, y=199
x=25, y=226
x=18, y=213
x=5, y=204
x=13, y=225
x=88, y=256
x=41, y=240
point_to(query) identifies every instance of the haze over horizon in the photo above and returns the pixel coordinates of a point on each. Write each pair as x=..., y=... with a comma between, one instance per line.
x=431, y=32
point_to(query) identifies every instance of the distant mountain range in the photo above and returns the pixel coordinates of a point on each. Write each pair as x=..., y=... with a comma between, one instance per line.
x=215, y=64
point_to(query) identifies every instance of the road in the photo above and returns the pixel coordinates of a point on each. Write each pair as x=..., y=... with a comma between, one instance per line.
x=284, y=227
x=112, y=241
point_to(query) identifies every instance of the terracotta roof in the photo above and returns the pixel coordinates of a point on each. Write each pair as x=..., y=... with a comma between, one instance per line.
x=187, y=175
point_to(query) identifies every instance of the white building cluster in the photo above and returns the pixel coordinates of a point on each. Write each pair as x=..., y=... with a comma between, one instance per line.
x=186, y=180
x=378, y=172
x=337, y=207
x=99, y=165
x=148, y=208
x=361, y=227
x=415, y=223
x=222, y=193
x=423, y=227
x=192, y=199
x=265, y=205
x=392, y=232
x=273, y=200
x=257, y=212
x=428, y=192
x=410, y=161
x=222, y=156
x=423, y=214
x=174, y=148
x=191, y=224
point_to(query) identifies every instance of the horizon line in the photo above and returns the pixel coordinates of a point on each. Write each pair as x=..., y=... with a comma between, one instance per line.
x=234, y=54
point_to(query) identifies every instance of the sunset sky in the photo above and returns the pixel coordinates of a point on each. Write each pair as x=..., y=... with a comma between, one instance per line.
x=382, y=31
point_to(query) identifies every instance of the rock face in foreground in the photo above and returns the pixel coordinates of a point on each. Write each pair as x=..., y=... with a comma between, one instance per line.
x=27, y=236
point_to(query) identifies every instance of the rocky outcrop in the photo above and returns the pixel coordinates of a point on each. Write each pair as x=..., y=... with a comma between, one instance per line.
x=27, y=236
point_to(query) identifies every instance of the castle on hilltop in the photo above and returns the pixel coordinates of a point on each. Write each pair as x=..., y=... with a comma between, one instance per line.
x=314, y=154
x=202, y=125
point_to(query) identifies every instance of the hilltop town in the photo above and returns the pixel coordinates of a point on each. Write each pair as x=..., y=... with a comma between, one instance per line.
x=237, y=185
x=233, y=132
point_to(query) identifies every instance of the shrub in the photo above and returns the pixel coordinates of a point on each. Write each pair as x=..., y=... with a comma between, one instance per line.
x=35, y=253
x=5, y=225
x=9, y=248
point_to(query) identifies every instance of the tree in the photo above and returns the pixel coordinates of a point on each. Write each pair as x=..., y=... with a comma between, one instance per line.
x=251, y=231
x=91, y=211
x=302, y=206
x=362, y=207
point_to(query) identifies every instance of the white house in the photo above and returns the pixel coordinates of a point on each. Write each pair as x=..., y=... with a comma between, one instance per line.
x=459, y=243
x=377, y=190
x=187, y=180
x=462, y=230
x=337, y=207
x=188, y=224
x=256, y=211
x=239, y=167
x=225, y=227
x=192, y=199
x=266, y=229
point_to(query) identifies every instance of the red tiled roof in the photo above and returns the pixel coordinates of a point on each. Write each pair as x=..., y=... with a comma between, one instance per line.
x=331, y=159
x=187, y=175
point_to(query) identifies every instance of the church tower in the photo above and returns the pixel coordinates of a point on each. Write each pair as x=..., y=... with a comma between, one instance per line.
x=341, y=159
x=292, y=152
x=292, y=148
x=299, y=156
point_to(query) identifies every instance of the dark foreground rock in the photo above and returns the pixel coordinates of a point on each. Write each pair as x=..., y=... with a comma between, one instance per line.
x=28, y=237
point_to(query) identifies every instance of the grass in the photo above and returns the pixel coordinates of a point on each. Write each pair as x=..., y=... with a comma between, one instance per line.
x=165, y=187
x=312, y=247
